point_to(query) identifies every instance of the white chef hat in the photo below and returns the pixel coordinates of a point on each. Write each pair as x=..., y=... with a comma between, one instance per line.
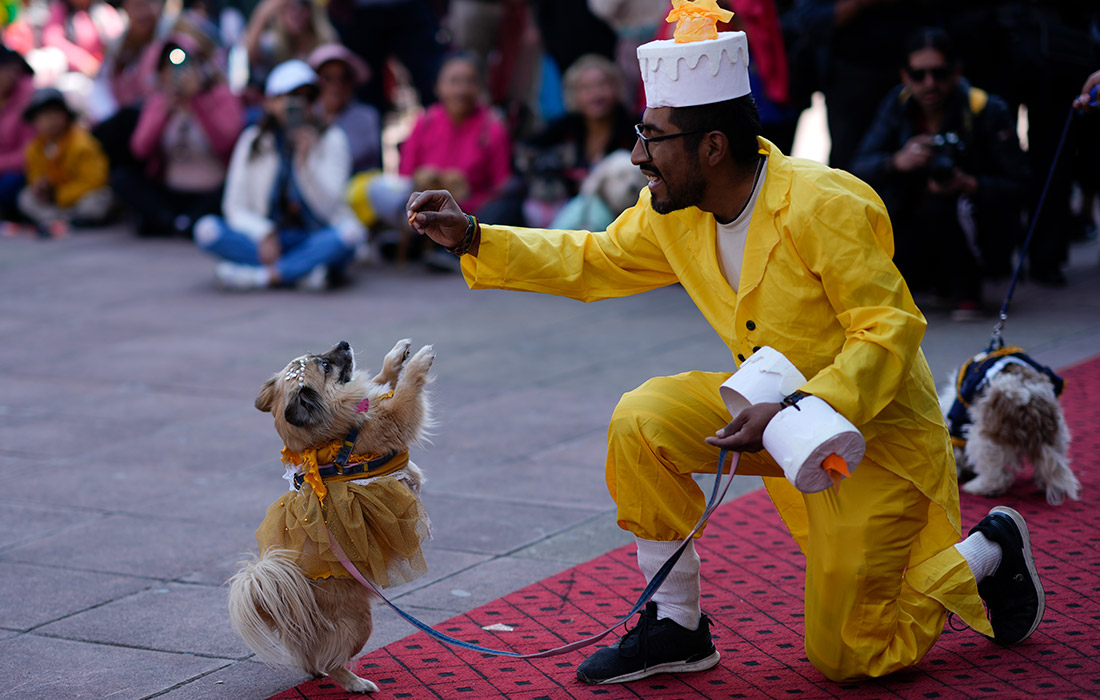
x=679, y=73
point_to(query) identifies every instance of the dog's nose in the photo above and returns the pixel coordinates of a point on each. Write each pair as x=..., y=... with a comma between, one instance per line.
x=343, y=345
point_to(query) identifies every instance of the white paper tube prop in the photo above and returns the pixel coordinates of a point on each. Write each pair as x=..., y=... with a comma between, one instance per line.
x=801, y=438
x=766, y=377
x=815, y=445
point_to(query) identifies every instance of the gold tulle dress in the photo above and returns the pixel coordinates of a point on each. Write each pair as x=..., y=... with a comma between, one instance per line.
x=377, y=518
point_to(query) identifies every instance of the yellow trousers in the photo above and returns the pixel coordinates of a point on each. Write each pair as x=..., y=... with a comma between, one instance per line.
x=881, y=567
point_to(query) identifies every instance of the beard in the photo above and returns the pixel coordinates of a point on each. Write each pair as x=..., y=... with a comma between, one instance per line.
x=688, y=193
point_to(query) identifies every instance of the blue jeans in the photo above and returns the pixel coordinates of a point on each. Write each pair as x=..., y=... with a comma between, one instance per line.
x=10, y=184
x=301, y=250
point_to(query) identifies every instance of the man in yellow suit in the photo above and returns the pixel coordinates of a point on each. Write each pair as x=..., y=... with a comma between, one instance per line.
x=790, y=254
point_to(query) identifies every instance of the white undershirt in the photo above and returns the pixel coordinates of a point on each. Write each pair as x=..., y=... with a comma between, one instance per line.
x=731, y=237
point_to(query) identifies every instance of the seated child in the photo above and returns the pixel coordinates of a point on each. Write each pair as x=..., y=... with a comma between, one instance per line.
x=286, y=222
x=66, y=170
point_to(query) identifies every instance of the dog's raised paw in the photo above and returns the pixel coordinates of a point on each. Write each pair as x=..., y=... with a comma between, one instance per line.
x=422, y=360
x=400, y=353
x=394, y=362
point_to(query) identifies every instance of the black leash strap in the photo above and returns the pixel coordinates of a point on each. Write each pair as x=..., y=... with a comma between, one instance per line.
x=996, y=342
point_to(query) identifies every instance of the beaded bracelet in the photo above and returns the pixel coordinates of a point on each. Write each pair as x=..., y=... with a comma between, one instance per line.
x=467, y=241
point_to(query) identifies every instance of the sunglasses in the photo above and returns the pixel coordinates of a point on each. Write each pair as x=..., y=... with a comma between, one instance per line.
x=646, y=140
x=918, y=75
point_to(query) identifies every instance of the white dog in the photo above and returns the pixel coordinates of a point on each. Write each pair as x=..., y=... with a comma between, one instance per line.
x=1006, y=410
x=610, y=189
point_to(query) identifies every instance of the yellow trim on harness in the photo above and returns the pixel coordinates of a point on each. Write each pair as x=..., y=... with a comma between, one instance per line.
x=399, y=461
x=313, y=457
x=1000, y=352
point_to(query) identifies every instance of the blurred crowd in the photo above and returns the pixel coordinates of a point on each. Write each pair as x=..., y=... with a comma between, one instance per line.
x=285, y=136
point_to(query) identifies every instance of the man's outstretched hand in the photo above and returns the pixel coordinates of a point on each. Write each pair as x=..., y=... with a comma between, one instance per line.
x=435, y=214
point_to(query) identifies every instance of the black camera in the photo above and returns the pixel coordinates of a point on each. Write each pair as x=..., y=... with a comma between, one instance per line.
x=946, y=151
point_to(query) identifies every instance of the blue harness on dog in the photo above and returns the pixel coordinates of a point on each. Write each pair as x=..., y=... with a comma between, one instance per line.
x=976, y=373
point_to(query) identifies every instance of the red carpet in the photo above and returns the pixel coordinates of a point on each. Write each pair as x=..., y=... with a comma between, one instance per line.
x=752, y=588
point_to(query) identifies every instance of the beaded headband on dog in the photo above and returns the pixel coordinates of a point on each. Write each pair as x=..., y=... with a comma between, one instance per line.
x=298, y=373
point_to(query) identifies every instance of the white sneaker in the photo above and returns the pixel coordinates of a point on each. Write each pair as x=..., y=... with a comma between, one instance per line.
x=236, y=276
x=316, y=280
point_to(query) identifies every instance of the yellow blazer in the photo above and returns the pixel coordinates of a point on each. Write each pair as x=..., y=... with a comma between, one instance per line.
x=817, y=284
x=77, y=167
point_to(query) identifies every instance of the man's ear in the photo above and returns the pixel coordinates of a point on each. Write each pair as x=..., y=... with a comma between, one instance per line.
x=713, y=148
x=266, y=400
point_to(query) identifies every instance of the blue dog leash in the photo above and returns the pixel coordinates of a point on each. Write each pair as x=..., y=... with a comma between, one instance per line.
x=996, y=342
x=717, y=494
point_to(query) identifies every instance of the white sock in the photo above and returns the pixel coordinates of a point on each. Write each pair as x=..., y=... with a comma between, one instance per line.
x=678, y=597
x=981, y=553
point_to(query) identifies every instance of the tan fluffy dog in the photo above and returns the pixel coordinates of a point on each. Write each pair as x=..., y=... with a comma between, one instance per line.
x=1014, y=417
x=296, y=605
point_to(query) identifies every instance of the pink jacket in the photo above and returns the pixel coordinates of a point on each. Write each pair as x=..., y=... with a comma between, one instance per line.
x=82, y=36
x=130, y=84
x=15, y=134
x=478, y=147
x=217, y=110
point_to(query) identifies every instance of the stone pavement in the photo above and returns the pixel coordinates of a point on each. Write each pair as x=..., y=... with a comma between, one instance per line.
x=138, y=469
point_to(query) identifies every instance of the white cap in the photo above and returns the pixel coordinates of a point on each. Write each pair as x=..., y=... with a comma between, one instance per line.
x=695, y=72
x=288, y=77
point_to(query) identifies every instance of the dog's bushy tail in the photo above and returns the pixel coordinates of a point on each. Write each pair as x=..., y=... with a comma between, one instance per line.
x=273, y=606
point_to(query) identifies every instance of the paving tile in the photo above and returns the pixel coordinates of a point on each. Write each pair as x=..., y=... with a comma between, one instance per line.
x=580, y=543
x=113, y=482
x=496, y=526
x=59, y=668
x=570, y=473
x=37, y=521
x=518, y=423
x=242, y=680
x=124, y=544
x=469, y=589
x=13, y=466
x=237, y=498
x=35, y=595
x=175, y=617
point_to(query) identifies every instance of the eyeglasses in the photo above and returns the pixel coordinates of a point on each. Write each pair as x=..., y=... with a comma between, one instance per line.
x=939, y=74
x=646, y=140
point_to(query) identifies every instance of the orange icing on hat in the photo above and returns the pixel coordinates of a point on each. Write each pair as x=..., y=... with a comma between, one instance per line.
x=696, y=19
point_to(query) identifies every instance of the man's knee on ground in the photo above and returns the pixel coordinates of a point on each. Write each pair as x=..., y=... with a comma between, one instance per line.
x=836, y=664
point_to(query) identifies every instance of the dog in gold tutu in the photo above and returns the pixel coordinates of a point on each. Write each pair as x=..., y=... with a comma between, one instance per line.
x=347, y=441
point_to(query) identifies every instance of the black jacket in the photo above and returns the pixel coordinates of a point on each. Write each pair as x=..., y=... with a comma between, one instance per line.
x=990, y=150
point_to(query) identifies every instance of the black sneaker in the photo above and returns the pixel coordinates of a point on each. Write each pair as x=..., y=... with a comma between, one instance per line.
x=1013, y=593
x=653, y=646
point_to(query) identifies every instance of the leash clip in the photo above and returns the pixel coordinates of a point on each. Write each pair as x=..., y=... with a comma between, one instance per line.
x=996, y=342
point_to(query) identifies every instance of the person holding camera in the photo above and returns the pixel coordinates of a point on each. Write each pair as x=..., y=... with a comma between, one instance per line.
x=183, y=139
x=946, y=160
x=286, y=221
